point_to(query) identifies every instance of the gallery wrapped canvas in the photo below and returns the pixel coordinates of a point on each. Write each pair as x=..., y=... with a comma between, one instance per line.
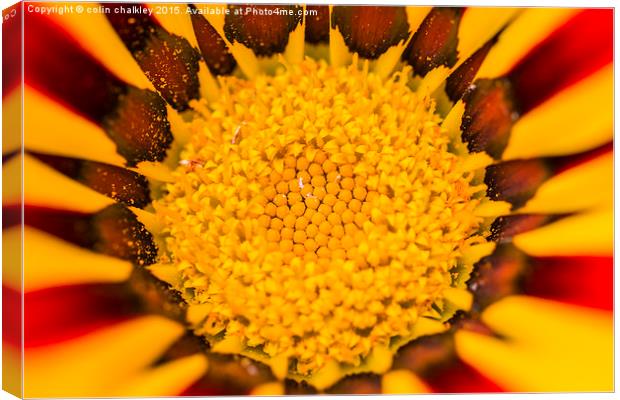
x=236, y=199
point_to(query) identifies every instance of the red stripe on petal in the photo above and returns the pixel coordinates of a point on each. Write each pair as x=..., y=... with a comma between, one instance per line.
x=11, y=48
x=458, y=377
x=11, y=316
x=575, y=50
x=11, y=215
x=58, y=66
x=585, y=281
x=57, y=314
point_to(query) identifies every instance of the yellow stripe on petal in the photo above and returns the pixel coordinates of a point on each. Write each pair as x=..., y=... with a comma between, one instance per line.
x=50, y=261
x=52, y=128
x=175, y=19
x=268, y=389
x=479, y=24
x=12, y=370
x=100, y=363
x=45, y=186
x=12, y=121
x=586, y=186
x=95, y=34
x=531, y=27
x=169, y=379
x=402, y=381
x=12, y=180
x=550, y=346
x=578, y=118
x=582, y=234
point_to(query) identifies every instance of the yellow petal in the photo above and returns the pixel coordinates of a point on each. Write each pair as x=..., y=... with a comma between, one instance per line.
x=339, y=54
x=50, y=261
x=550, y=346
x=45, y=186
x=175, y=19
x=98, y=364
x=586, y=186
x=169, y=379
x=12, y=180
x=95, y=34
x=51, y=128
x=576, y=119
x=268, y=389
x=11, y=121
x=12, y=370
x=531, y=27
x=402, y=381
x=583, y=234
x=479, y=24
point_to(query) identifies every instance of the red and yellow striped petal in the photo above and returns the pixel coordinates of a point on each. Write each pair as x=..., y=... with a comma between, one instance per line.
x=95, y=365
x=583, y=234
x=548, y=346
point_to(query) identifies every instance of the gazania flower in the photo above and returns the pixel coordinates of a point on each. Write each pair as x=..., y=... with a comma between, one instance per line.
x=299, y=199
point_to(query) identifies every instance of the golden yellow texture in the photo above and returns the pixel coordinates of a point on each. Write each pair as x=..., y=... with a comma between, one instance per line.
x=317, y=215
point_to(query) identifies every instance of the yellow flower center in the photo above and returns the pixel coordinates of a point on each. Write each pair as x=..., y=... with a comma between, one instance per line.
x=316, y=217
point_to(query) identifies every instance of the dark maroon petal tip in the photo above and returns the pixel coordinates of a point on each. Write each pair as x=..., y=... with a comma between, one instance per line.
x=263, y=28
x=489, y=116
x=435, y=42
x=357, y=384
x=168, y=60
x=119, y=233
x=122, y=185
x=460, y=80
x=317, y=24
x=371, y=30
x=213, y=48
x=139, y=126
x=516, y=181
x=505, y=228
x=292, y=387
x=230, y=375
x=498, y=275
x=156, y=296
x=114, y=231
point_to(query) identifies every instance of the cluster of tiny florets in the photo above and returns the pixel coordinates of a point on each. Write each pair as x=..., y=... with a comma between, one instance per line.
x=318, y=213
